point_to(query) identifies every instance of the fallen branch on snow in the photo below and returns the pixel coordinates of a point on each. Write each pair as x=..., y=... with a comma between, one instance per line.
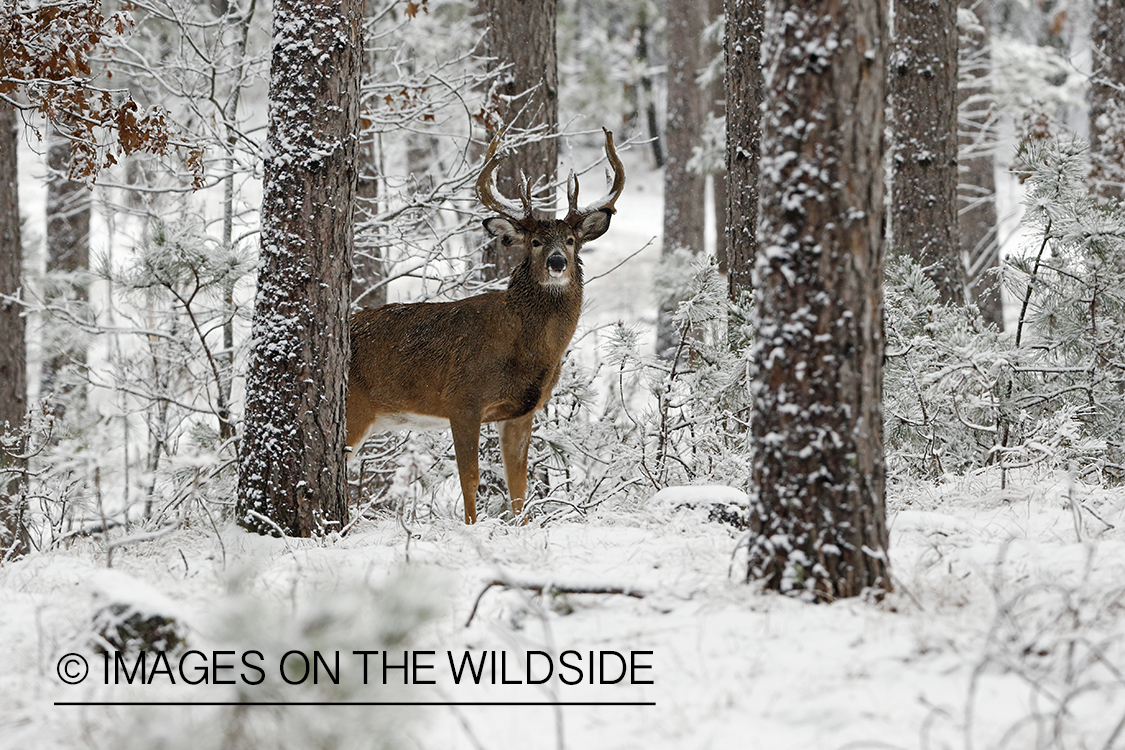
x=554, y=589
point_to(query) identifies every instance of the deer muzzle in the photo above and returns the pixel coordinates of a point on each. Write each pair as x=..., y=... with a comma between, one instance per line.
x=556, y=264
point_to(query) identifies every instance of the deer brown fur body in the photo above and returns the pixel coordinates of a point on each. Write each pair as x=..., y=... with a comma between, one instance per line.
x=495, y=357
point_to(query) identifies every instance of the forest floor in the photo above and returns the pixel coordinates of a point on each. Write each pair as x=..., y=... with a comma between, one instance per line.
x=1006, y=630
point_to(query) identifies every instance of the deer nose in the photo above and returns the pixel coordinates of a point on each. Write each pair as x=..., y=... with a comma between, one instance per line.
x=556, y=263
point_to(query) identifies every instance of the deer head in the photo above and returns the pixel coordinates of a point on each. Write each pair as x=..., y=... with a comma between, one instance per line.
x=551, y=245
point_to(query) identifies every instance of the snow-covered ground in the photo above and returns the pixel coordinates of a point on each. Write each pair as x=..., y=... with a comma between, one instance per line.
x=1005, y=631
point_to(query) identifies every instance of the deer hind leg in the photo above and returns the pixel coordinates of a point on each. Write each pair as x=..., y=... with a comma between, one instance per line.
x=515, y=438
x=466, y=446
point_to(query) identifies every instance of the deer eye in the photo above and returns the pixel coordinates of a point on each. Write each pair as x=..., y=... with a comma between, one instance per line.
x=536, y=243
x=570, y=241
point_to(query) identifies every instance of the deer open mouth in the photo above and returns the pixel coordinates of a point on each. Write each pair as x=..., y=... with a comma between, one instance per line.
x=556, y=265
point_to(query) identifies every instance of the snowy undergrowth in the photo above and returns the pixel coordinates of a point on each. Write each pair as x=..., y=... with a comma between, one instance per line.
x=1005, y=631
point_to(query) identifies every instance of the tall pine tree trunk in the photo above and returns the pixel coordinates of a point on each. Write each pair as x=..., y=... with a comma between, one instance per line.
x=817, y=449
x=13, y=348
x=292, y=476
x=744, y=99
x=976, y=187
x=1107, y=98
x=683, y=188
x=923, y=79
x=520, y=37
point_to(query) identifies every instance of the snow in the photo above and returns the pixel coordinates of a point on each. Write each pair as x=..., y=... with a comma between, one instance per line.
x=994, y=591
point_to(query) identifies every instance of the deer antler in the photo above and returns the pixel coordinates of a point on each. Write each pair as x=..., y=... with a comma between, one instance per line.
x=616, y=186
x=493, y=199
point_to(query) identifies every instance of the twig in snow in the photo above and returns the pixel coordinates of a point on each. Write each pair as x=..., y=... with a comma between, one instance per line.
x=554, y=589
x=900, y=587
x=744, y=539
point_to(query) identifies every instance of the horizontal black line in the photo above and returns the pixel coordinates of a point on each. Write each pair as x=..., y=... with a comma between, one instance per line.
x=355, y=703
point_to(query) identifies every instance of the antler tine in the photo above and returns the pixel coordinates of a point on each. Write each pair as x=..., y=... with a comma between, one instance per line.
x=615, y=189
x=525, y=194
x=572, y=193
x=489, y=196
x=618, y=185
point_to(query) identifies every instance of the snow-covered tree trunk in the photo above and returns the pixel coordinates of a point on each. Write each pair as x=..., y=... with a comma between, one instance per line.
x=744, y=99
x=817, y=447
x=923, y=81
x=292, y=476
x=68, y=251
x=683, y=187
x=520, y=37
x=976, y=187
x=13, y=349
x=1107, y=98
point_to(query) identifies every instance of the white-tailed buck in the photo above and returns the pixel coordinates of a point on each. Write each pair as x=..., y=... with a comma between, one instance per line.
x=494, y=357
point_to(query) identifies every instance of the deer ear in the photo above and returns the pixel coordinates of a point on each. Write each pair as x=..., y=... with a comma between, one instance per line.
x=499, y=227
x=594, y=225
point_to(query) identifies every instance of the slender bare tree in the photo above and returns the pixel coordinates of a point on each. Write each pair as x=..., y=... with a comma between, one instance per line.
x=816, y=436
x=717, y=96
x=976, y=189
x=368, y=267
x=292, y=476
x=68, y=252
x=647, y=96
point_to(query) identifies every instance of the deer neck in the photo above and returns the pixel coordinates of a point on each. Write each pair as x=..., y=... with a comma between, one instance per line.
x=551, y=309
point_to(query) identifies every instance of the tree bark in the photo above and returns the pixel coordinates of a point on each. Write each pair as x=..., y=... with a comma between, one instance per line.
x=13, y=347
x=68, y=251
x=816, y=436
x=977, y=183
x=1107, y=99
x=292, y=476
x=923, y=79
x=520, y=37
x=744, y=101
x=683, y=188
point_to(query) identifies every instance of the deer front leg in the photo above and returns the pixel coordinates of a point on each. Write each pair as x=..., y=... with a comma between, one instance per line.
x=360, y=414
x=515, y=438
x=466, y=446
